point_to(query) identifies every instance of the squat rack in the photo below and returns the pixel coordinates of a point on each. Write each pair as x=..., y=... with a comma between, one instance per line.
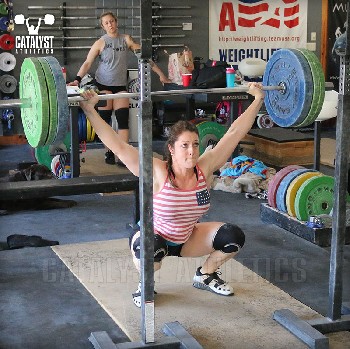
x=338, y=319
x=310, y=332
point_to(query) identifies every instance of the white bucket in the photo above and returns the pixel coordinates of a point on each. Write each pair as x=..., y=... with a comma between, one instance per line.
x=252, y=67
x=330, y=106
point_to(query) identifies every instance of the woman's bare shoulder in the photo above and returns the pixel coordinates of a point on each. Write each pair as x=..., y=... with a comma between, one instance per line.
x=159, y=174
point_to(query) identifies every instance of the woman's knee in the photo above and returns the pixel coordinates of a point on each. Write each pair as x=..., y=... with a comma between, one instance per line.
x=160, y=246
x=135, y=244
x=229, y=238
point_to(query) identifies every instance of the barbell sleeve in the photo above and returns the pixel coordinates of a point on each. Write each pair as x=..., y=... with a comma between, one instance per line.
x=14, y=103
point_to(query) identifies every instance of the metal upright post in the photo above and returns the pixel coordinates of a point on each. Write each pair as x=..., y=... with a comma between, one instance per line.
x=340, y=190
x=74, y=145
x=317, y=145
x=146, y=175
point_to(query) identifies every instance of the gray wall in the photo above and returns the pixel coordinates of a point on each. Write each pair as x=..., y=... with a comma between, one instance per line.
x=196, y=39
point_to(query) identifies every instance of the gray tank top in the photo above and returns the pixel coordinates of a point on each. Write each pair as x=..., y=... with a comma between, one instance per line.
x=112, y=67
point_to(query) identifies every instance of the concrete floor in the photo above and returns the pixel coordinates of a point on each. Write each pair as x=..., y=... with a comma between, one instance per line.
x=43, y=306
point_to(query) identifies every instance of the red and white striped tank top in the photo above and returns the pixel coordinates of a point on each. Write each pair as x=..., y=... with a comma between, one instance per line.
x=176, y=211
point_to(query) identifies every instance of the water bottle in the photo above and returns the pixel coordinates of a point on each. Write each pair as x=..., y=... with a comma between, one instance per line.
x=230, y=77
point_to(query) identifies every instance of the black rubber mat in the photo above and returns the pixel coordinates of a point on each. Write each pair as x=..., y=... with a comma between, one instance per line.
x=42, y=305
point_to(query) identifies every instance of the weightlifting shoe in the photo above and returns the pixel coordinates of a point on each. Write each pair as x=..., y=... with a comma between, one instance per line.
x=109, y=158
x=136, y=296
x=212, y=282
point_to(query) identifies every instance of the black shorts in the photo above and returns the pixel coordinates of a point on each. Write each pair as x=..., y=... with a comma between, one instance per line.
x=172, y=249
x=113, y=89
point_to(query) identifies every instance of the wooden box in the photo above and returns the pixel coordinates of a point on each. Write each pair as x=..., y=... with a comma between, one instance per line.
x=279, y=147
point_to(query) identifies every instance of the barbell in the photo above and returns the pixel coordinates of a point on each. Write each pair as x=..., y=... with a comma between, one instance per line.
x=293, y=81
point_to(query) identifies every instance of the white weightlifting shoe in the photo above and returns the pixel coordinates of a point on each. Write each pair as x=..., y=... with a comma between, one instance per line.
x=136, y=296
x=212, y=282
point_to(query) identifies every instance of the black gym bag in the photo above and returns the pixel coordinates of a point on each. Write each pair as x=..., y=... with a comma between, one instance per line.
x=211, y=75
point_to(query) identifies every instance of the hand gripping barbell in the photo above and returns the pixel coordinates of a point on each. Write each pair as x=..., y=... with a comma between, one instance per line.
x=293, y=81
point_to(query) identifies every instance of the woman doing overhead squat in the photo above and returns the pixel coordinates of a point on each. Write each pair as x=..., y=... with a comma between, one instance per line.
x=181, y=185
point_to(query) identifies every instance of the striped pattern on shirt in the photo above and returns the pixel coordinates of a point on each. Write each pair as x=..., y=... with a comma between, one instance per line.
x=176, y=211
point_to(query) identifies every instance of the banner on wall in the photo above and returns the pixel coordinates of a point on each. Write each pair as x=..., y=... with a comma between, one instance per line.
x=255, y=28
x=337, y=10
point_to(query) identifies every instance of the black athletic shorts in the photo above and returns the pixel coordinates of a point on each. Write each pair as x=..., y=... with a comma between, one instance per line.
x=172, y=249
x=113, y=89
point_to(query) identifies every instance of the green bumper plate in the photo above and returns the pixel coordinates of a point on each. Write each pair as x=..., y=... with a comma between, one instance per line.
x=45, y=154
x=209, y=133
x=35, y=116
x=319, y=87
x=62, y=98
x=314, y=197
x=51, y=90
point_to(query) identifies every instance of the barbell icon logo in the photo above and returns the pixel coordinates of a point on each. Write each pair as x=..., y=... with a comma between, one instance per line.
x=32, y=30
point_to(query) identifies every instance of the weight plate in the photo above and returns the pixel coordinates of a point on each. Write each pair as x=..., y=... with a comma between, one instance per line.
x=319, y=87
x=43, y=155
x=53, y=111
x=33, y=88
x=264, y=121
x=4, y=23
x=3, y=9
x=281, y=194
x=7, y=42
x=291, y=70
x=314, y=197
x=197, y=121
x=293, y=189
x=88, y=130
x=83, y=119
x=62, y=98
x=209, y=133
x=8, y=83
x=93, y=134
x=7, y=61
x=275, y=182
x=80, y=127
x=55, y=164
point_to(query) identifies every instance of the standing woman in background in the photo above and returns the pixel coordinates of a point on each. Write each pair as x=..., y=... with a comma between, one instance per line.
x=111, y=74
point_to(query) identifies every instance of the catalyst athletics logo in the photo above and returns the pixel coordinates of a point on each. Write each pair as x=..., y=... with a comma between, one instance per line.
x=34, y=43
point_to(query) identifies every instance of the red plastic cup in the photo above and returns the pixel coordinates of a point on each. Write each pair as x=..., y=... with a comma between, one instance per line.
x=186, y=79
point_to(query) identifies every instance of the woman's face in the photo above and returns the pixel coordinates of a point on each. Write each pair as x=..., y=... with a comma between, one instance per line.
x=185, y=152
x=109, y=24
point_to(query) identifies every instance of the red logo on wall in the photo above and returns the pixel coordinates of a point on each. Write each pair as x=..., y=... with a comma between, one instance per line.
x=252, y=13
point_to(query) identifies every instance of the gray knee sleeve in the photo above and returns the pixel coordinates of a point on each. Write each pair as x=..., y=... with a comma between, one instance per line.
x=122, y=116
x=160, y=248
x=106, y=115
x=229, y=238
